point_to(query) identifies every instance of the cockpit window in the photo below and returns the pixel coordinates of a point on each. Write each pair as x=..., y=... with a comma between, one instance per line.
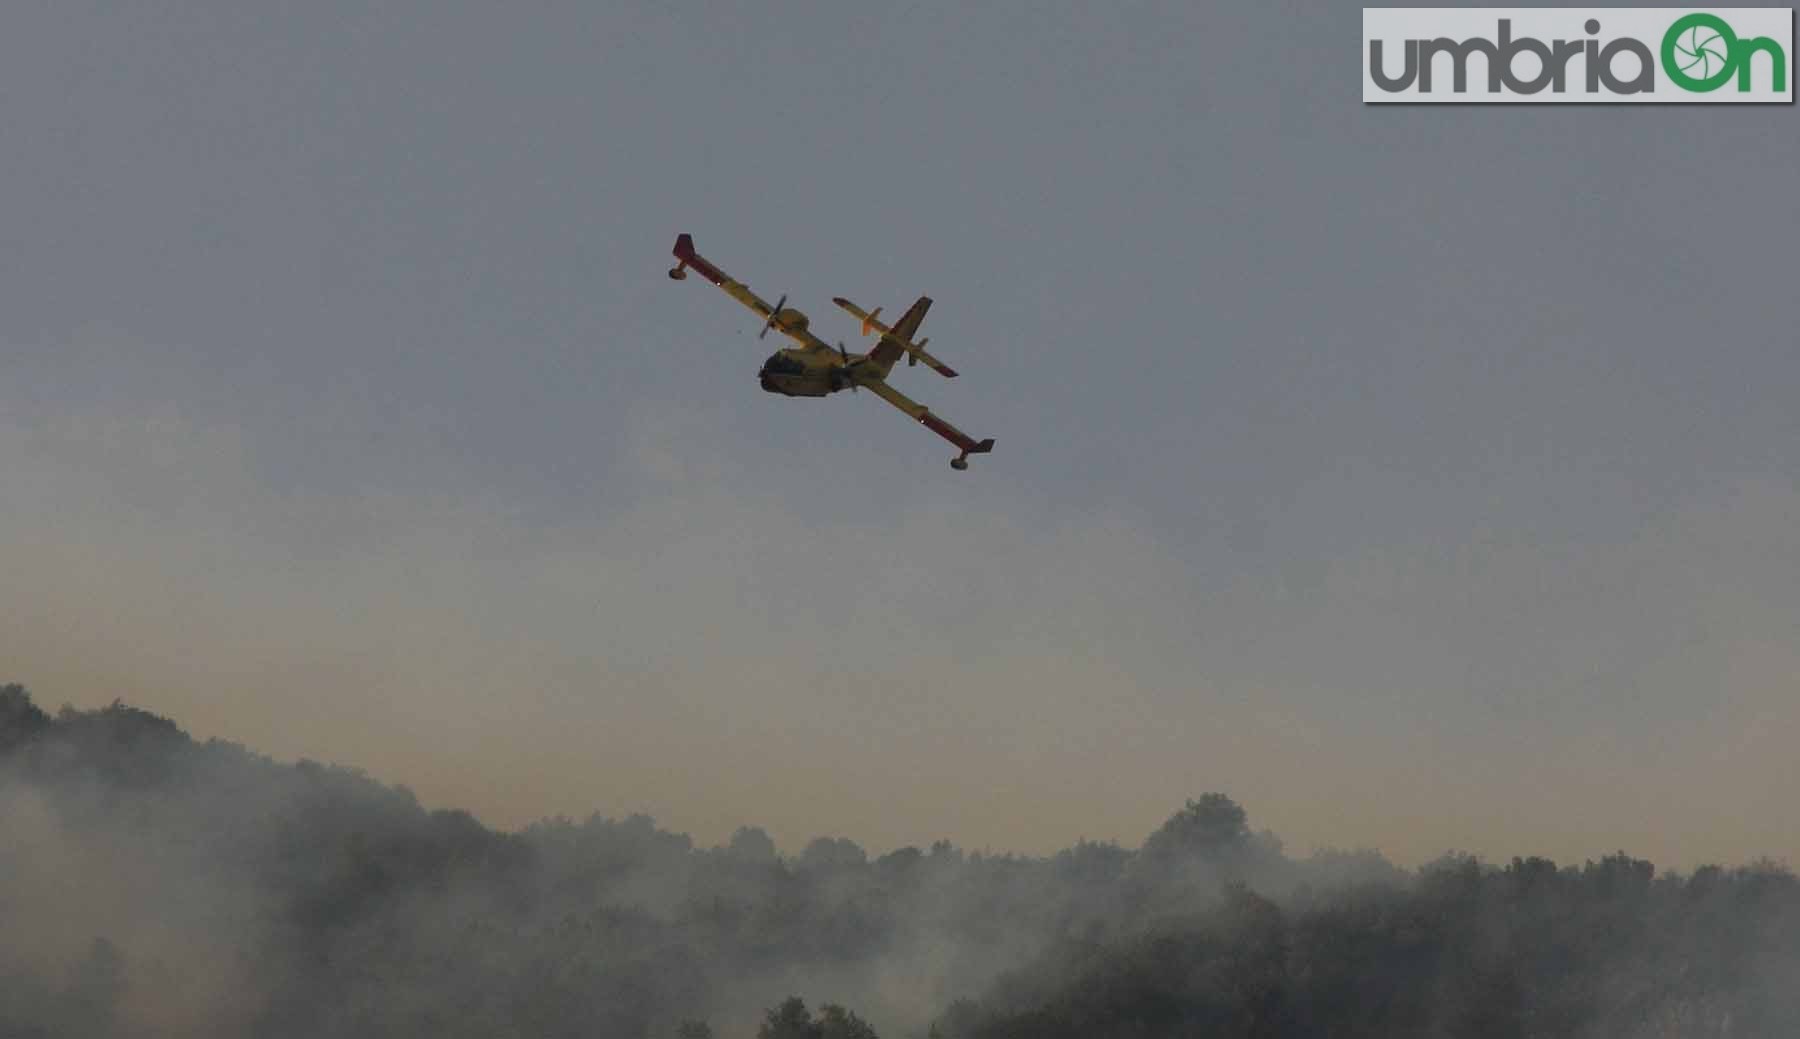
x=781, y=364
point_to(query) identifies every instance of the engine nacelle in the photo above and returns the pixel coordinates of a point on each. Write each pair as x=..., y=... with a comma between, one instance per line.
x=791, y=320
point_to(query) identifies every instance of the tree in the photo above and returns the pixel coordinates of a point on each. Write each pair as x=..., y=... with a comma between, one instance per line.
x=753, y=844
x=1210, y=828
x=837, y=1023
x=833, y=853
x=790, y=1021
x=20, y=719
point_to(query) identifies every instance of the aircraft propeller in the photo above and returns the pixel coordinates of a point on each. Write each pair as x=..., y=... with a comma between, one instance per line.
x=846, y=356
x=773, y=314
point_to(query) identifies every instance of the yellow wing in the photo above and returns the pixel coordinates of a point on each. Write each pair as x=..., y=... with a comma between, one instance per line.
x=968, y=444
x=788, y=321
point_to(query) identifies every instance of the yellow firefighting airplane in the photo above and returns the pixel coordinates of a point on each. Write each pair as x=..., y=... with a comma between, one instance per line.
x=816, y=369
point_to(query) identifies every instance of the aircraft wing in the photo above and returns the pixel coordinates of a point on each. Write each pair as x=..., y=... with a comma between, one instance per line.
x=969, y=445
x=788, y=321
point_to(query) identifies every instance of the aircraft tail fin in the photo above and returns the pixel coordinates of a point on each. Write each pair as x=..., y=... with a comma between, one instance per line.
x=897, y=338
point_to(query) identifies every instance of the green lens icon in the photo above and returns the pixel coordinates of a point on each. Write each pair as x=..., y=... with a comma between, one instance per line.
x=1697, y=52
x=1701, y=52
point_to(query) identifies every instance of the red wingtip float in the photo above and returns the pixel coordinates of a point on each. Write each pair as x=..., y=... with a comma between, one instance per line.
x=813, y=368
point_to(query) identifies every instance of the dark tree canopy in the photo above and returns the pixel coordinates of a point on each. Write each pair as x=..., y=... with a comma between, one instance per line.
x=789, y=1020
x=753, y=844
x=150, y=884
x=20, y=719
x=1209, y=828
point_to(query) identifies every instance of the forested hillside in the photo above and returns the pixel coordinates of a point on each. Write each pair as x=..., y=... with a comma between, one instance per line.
x=155, y=885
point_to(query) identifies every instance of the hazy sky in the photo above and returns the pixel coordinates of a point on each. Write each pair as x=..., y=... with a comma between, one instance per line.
x=1424, y=478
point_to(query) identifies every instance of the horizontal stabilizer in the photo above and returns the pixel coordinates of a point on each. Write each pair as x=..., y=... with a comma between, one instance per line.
x=871, y=319
x=895, y=339
x=918, y=353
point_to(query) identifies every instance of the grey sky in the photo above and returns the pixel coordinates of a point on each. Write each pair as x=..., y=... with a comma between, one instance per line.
x=1422, y=477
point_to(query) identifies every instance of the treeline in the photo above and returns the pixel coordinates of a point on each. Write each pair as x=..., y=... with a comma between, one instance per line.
x=151, y=884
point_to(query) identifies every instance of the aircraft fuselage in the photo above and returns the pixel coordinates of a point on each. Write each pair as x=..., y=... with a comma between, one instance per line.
x=787, y=372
